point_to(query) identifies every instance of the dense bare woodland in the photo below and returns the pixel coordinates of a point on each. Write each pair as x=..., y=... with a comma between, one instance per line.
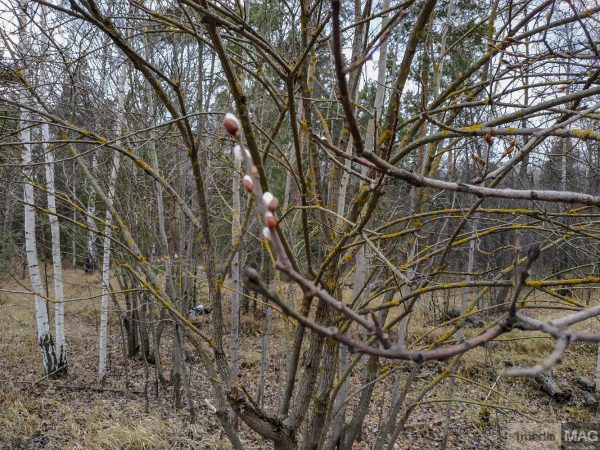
x=315, y=224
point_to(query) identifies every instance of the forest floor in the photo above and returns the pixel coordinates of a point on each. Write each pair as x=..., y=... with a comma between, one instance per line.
x=75, y=412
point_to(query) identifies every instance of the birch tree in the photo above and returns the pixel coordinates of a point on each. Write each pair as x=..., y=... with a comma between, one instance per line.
x=59, y=296
x=51, y=364
x=57, y=268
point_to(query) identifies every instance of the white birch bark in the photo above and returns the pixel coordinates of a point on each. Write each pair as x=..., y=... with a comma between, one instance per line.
x=45, y=340
x=91, y=212
x=59, y=315
x=107, y=232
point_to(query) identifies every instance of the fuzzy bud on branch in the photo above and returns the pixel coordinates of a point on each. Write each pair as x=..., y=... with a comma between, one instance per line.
x=270, y=220
x=232, y=125
x=248, y=183
x=270, y=201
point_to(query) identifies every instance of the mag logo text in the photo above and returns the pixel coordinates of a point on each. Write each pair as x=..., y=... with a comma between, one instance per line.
x=580, y=436
x=552, y=436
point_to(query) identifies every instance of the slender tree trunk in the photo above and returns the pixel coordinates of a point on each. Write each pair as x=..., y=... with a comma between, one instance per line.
x=339, y=421
x=292, y=345
x=460, y=337
x=316, y=425
x=185, y=374
x=235, y=263
x=523, y=170
x=45, y=340
x=91, y=212
x=339, y=405
x=74, y=238
x=176, y=370
x=160, y=206
x=59, y=323
x=397, y=397
x=235, y=272
x=59, y=316
x=107, y=232
x=264, y=356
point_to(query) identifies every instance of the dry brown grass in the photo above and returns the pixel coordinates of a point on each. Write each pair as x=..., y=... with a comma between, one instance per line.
x=17, y=422
x=98, y=424
x=34, y=408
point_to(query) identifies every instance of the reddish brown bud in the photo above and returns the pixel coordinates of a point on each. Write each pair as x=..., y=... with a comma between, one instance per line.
x=254, y=171
x=248, y=183
x=271, y=201
x=273, y=204
x=270, y=220
x=232, y=124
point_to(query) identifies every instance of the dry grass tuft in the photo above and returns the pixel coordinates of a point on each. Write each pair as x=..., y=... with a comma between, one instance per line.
x=529, y=346
x=115, y=431
x=17, y=423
